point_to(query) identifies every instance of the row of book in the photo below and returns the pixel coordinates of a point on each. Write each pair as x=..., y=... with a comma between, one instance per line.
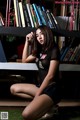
x=1, y=21
x=70, y=54
x=71, y=9
x=32, y=15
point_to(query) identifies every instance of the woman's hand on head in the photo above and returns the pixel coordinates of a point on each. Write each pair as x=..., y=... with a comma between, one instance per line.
x=30, y=36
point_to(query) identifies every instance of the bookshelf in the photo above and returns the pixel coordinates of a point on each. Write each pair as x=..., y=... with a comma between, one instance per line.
x=22, y=31
x=65, y=33
x=71, y=9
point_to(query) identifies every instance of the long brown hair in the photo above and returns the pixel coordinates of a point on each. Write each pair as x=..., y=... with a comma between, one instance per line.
x=49, y=39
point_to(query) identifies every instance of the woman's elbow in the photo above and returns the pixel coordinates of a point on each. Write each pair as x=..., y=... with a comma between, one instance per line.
x=23, y=60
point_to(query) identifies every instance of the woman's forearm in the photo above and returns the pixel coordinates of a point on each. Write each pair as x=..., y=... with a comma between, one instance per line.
x=27, y=54
x=25, y=50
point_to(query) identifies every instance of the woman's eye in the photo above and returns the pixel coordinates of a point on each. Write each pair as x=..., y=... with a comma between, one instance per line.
x=37, y=36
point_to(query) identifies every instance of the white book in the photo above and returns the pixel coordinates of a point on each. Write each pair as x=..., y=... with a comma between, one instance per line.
x=1, y=21
x=22, y=14
x=29, y=12
x=16, y=13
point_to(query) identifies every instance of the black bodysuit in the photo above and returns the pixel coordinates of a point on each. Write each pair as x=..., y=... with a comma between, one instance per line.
x=43, y=63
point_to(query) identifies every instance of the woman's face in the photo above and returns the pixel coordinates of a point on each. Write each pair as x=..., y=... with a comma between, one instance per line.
x=40, y=36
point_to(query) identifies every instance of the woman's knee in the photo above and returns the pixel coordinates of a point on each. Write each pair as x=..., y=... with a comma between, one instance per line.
x=13, y=89
x=27, y=116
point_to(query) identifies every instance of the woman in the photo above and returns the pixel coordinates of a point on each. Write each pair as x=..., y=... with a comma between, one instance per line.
x=46, y=93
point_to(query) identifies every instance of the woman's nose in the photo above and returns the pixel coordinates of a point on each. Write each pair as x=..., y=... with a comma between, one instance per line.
x=39, y=36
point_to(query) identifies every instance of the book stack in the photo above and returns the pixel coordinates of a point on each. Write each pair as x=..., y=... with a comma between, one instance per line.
x=70, y=53
x=33, y=15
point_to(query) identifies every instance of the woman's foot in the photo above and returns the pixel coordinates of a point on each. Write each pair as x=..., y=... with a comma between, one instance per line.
x=50, y=114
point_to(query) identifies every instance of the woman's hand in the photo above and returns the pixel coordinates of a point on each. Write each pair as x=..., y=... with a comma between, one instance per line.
x=29, y=37
x=38, y=93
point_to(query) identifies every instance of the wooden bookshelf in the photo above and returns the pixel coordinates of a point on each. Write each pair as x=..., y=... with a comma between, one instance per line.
x=22, y=31
x=69, y=67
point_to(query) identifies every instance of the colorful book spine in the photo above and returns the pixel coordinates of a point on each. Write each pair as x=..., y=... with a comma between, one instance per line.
x=29, y=12
x=45, y=16
x=33, y=16
x=41, y=15
x=55, y=21
x=26, y=15
x=22, y=14
x=74, y=53
x=77, y=54
x=64, y=53
x=6, y=13
x=68, y=54
x=16, y=13
x=51, y=24
x=37, y=14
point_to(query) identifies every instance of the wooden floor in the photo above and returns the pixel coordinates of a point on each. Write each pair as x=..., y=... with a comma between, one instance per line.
x=13, y=103
x=23, y=103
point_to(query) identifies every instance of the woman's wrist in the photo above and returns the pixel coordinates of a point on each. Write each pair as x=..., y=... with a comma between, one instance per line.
x=27, y=40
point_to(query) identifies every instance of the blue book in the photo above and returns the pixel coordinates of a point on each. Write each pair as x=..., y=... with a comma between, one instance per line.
x=2, y=53
x=64, y=53
x=46, y=17
x=41, y=15
x=37, y=14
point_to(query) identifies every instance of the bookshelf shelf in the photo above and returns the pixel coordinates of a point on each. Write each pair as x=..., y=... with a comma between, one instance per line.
x=69, y=67
x=16, y=31
x=22, y=31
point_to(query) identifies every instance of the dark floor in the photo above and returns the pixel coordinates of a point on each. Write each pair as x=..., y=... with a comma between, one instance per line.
x=67, y=113
x=64, y=113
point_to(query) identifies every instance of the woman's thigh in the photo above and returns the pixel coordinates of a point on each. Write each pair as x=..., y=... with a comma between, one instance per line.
x=38, y=107
x=24, y=88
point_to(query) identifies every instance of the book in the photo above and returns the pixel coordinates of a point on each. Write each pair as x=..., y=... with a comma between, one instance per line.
x=63, y=8
x=68, y=54
x=51, y=23
x=6, y=21
x=1, y=21
x=41, y=15
x=73, y=55
x=8, y=8
x=64, y=53
x=22, y=14
x=29, y=12
x=33, y=16
x=77, y=54
x=26, y=16
x=37, y=14
x=55, y=21
x=18, y=13
x=45, y=16
x=63, y=22
x=15, y=2
x=77, y=58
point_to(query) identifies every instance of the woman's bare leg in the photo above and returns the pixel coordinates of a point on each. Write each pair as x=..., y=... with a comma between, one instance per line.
x=37, y=108
x=24, y=90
